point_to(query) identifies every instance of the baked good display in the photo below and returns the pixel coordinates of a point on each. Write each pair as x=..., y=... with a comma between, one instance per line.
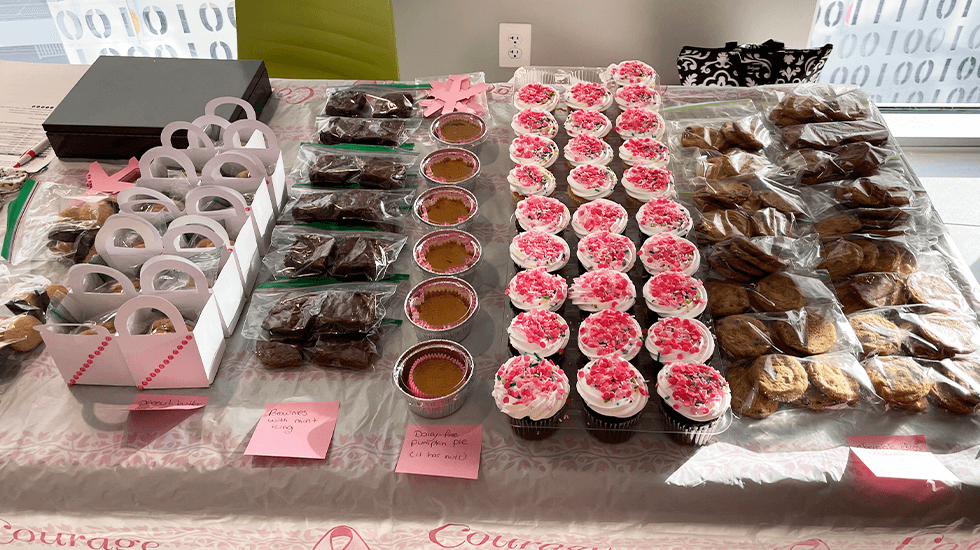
x=674, y=339
x=532, y=392
x=340, y=255
x=694, y=397
x=777, y=292
x=803, y=107
x=828, y=135
x=603, y=249
x=610, y=332
x=590, y=96
x=543, y=214
x=535, y=121
x=780, y=377
x=747, y=399
x=878, y=335
x=934, y=290
x=535, y=95
x=805, y=333
x=531, y=179
x=614, y=394
x=18, y=333
x=745, y=134
x=589, y=123
x=536, y=288
x=664, y=215
x=602, y=289
x=599, y=215
x=666, y=252
x=586, y=149
x=363, y=131
x=531, y=249
x=674, y=294
x=900, y=381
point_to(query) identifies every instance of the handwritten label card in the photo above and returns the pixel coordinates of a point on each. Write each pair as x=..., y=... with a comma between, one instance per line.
x=295, y=430
x=900, y=457
x=160, y=402
x=440, y=450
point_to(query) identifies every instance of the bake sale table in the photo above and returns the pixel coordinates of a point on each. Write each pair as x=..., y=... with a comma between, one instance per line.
x=77, y=469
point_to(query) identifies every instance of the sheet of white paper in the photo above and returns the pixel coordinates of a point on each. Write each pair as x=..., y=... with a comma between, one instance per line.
x=893, y=463
x=29, y=93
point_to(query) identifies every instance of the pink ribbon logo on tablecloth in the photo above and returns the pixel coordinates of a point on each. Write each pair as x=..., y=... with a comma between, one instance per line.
x=354, y=540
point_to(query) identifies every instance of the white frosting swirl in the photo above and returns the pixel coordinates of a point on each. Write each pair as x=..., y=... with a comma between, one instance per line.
x=657, y=183
x=674, y=329
x=640, y=122
x=583, y=182
x=603, y=249
x=659, y=253
x=576, y=156
x=575, y=100
x=610, y=332
x=548, y=384
x=596, y=388
x=601, y=289
x=658, y=158
x=633, y=72
x=694, y=390
x=692, y=307
x=522, y=180
x=544, y=123
x=590, y=123
x=552, y=258
x=522, y=99
x=638, y=95
x=529, y=214
x=536, y=288
x=587, y=217
x=649, y=225
x=545, y=345
x=531, y=149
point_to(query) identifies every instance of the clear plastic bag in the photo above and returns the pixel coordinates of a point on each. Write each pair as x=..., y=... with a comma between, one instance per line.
x=884, y=189
x=360, y=166
x=747, y=260
x=850, y=161
x=374, y=101
x=817, y=103
x=364, y=131
x=301, y=251
x=830, y=135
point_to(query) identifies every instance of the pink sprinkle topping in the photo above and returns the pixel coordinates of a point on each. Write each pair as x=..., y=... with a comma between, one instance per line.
x=589, y=94
x=609, y=331
x=541, y=326
x=544, y=211
x=599, y=215
x=674, y=289
x=696, y=386
x=615, y=378
x=647, y=148
x=527, y=377
x=638, y=95
x=605, y=285
x=608, y=249
x=536, y=93
x=633, y=71
x=588, y=121
x=585, y=147
x=541, y=246
x=677, y=334
x=531, y=176
x=649, y=179
x=538, y=282
x=591, y=176
x=530, y=146
x=663, y=213
x=667, y=252
x=536, y=121
x=639, y=120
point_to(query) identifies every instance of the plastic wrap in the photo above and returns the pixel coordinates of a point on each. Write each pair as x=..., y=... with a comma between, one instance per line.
x=364, y=167
x=373, y=101
x=301, y=251
x=387, y=210
x=815, y=329
x=817, y=103
x=850, y=161
x=364, y=131
x=830, y=135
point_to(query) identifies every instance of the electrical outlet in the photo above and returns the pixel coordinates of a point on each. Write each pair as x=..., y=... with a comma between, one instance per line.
x=515, y=45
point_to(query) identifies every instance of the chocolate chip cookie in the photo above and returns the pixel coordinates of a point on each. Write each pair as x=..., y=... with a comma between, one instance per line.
x=743, y=336
x=780, y=377
x=806, y=332
x=726, y=298
x=878, y=335
x=898, y=380
x=776, y=293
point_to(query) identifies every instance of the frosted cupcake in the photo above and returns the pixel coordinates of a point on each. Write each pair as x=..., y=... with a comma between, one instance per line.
x=536, y=288
x=602, y=289
x=589, y=123
x=678, y=339
x=603, y=250
x=531, y=149
x=644, y=152
x=590, y=96
x=668, y=252
x=614, y=393
x=532, y=392
x=532, y=249
x=645, y=184
x=638, y=95
x=531, y=179
x=599, y=215
x=535, y=122
x=610, y=332
x=664, y=216
x=633, y=72
x=536, y=96
x=673, y=294
x=640, y=122
x=694, y=397
x=589, y=182
x=585, y=149
x=539, y=332
x=543, y=214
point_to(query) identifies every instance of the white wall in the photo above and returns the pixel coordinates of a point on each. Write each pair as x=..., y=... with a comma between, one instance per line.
x=438, y=37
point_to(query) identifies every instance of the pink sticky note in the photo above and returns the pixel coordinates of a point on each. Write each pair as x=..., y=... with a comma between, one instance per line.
x=442, y=450
x=913, y=489
x=295, y=430
x=161, y=402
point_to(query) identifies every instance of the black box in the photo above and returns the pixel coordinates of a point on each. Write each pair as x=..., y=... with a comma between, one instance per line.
x=121, y=104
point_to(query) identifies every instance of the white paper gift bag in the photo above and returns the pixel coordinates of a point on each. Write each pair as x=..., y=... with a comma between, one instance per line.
x=95, y=359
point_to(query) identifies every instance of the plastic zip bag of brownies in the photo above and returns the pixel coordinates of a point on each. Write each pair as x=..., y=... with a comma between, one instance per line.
x=887, y=188
x=356, y=166
x=320, y=321
x=830, y=135
x=374, y=101
x=719, y=134
x=773, y=382
x=386, y=210
x=389, y=132
x=751, y=206
x=805, y=103
x=299, y=251
x=27, y=293
x=850, y=161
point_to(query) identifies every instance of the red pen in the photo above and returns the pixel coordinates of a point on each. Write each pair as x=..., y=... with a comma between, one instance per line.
x=32, y=152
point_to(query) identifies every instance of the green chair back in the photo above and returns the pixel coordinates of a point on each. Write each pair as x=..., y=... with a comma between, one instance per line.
x=341, y=39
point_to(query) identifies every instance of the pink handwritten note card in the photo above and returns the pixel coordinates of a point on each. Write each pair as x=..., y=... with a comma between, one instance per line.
x=440, y=450
x=160, y=402
x=900, y=457
x=295, y=430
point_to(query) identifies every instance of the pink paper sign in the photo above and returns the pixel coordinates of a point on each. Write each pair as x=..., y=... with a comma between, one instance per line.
x=295, y=430
x=441, y=450
x=160, y=402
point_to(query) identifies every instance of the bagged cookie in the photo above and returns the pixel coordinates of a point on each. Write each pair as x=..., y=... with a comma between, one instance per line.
x=374, y=101
x=301, y=251
x=830, y=135
x=817, y=103
x=388, y=210
x=332, y=130
x=886, y=188
x=850, y=161
x=354, y=166
x=815, y=329
x=746, y=260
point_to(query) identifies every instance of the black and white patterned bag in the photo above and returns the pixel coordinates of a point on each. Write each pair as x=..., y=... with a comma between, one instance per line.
x=709, y=66
x=750, y=64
